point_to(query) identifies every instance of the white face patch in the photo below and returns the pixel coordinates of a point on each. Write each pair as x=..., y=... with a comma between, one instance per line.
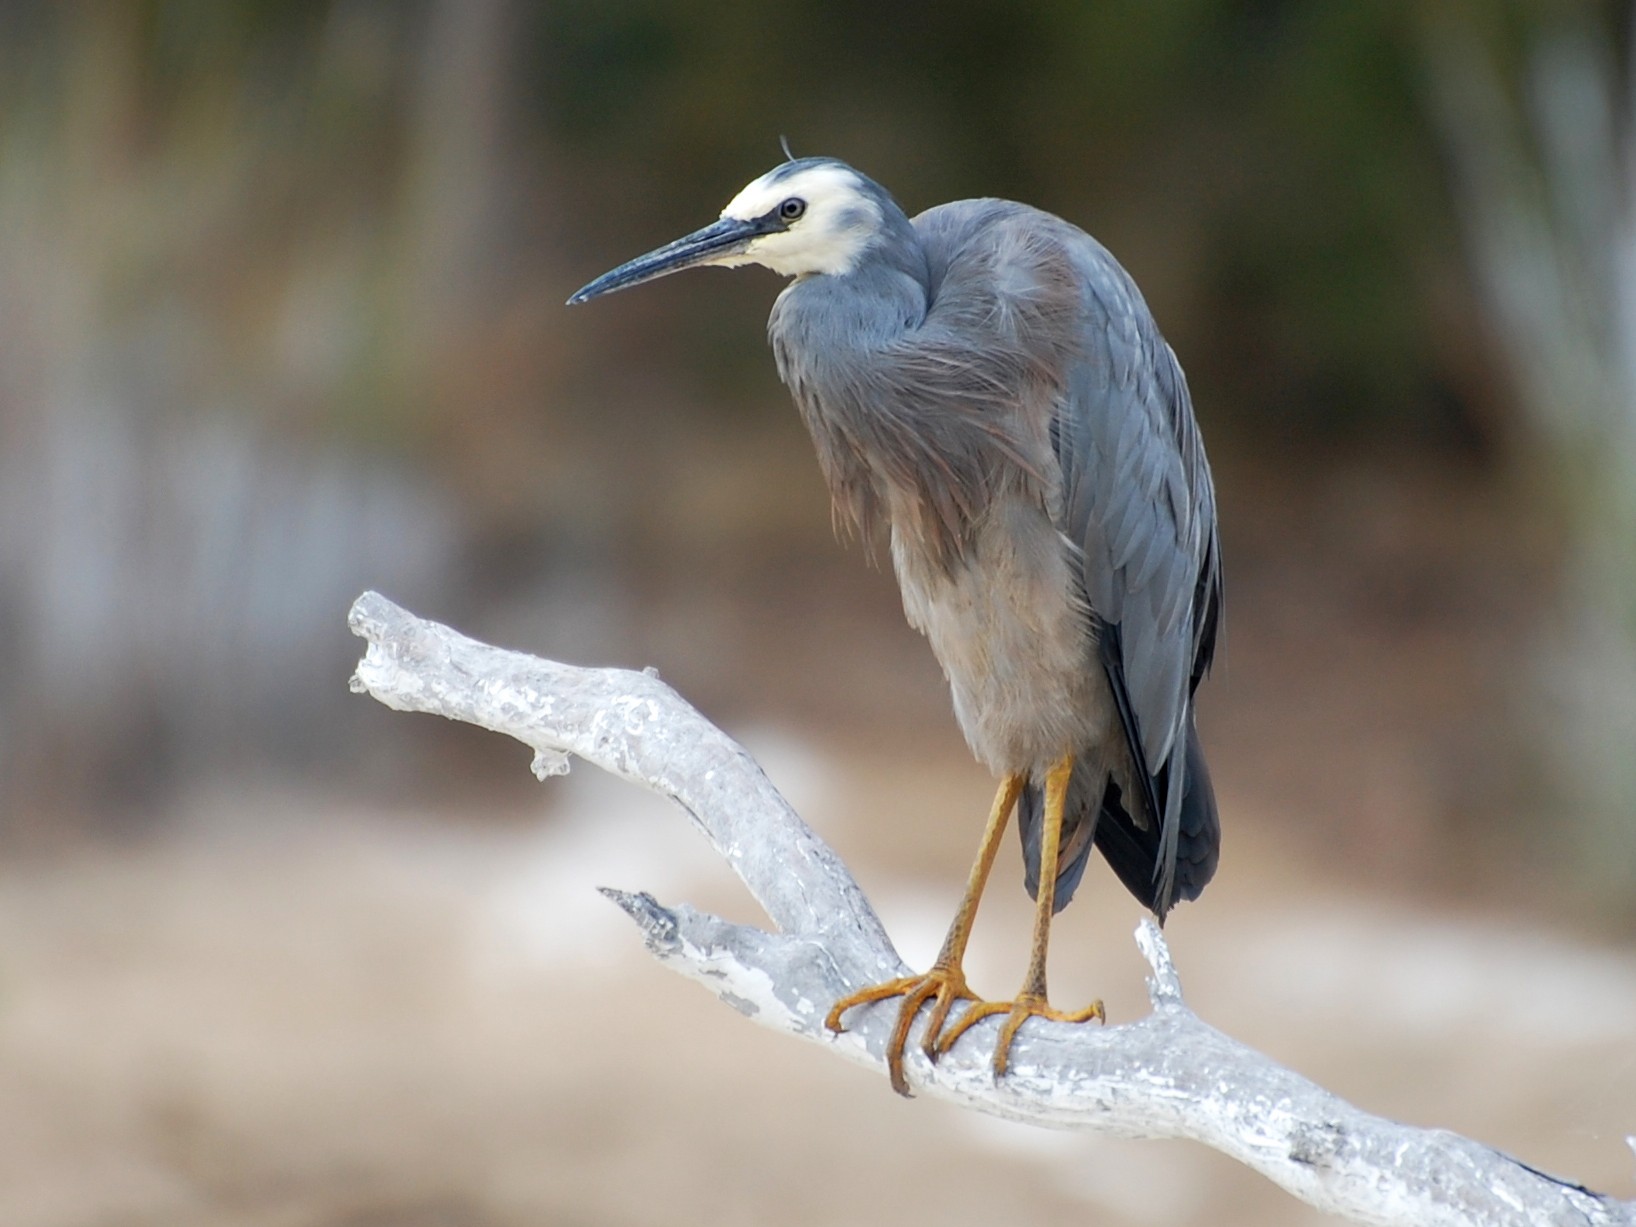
x=839, y=219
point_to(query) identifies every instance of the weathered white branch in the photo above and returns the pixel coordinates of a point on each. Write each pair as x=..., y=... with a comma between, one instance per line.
x=1168, y=1075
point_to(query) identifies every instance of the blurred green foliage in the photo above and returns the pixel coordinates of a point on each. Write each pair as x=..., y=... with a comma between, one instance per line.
x=1266, y=168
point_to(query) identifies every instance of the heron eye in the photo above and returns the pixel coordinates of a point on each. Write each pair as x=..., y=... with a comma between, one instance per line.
x=792, y=209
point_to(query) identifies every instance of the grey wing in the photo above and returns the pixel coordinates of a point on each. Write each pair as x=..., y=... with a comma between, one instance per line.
x=1139, y=505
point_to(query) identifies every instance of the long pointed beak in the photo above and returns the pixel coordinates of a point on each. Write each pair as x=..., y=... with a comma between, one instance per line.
x=726, y=237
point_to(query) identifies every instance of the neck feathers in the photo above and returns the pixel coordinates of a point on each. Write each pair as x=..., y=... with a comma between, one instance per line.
x=929, y=386
x=831, y=336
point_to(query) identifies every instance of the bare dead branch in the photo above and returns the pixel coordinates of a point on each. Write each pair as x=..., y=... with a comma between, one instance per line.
x=1168, y=1075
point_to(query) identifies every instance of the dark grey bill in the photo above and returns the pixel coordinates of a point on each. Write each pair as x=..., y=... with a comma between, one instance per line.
x=730, y=234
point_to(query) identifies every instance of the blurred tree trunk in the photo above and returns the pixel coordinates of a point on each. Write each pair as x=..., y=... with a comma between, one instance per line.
x=457, y=173
x=177, y=346
x=1543, y=156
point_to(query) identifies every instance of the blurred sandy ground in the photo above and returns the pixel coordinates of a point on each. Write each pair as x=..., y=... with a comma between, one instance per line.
x=309, y=1015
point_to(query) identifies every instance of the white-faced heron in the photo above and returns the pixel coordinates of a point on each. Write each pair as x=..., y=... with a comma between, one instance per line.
x=986, y=382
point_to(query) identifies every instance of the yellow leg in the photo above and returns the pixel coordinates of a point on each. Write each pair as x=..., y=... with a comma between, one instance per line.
x=945, y=983
x=1031, y=1000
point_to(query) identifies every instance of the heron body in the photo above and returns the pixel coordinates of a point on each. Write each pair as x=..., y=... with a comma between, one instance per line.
x=985, y=384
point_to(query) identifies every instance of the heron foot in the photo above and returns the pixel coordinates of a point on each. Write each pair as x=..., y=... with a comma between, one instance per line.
x=942, y=985
x=1027, y=1005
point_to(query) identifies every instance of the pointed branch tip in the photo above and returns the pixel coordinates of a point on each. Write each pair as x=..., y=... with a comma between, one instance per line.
x=1164, y=987
x=658, y=923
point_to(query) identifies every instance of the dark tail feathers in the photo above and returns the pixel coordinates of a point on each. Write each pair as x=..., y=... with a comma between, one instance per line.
x=1131, y=851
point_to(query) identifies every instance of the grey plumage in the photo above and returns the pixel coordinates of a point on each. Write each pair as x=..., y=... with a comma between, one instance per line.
x=994, y=390
x=986, y=387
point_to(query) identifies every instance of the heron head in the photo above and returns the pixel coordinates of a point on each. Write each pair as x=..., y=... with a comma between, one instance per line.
x=806, y=216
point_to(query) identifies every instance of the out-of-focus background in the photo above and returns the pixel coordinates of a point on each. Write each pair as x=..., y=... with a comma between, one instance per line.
x=281, y=319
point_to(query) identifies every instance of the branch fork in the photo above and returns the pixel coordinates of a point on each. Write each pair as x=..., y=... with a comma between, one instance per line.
x=1169, y=1075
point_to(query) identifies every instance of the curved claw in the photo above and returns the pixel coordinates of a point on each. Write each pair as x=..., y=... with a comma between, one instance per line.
x=1026, y=1006
x=943, y=986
